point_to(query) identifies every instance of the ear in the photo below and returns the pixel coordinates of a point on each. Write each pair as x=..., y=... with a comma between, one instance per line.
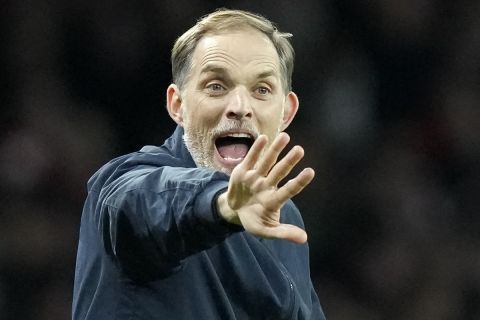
x=290, y=109
x=174, y=104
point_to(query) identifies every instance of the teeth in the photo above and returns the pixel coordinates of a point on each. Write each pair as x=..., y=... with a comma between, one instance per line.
x=232, y=159
x=239, y=135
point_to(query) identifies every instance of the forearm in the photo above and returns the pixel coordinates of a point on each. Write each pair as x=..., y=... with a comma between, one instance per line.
x=161, y=216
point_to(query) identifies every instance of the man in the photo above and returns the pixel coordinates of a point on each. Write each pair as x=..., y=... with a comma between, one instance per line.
x=200, y=228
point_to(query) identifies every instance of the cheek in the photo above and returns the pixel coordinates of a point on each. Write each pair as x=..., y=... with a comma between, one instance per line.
x=204, y=111
x=269, y=118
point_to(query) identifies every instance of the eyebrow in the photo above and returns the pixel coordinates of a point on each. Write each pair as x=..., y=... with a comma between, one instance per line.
x=223, y=71
x=266, y=74
x=213, y=68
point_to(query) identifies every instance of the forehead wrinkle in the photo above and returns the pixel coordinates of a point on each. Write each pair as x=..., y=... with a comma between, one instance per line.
x=216, y=55
x=266, y=66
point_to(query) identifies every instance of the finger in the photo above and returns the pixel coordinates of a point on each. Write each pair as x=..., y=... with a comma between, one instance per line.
x=271, y=156
x=286, y=232
x=285, y=166
x=295, y=185
x=255, y=151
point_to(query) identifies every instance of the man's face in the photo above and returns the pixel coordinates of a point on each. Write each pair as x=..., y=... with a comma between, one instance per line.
x=234, y=93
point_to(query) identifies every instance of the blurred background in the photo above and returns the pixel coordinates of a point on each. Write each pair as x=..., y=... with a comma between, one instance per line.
x=389, y=118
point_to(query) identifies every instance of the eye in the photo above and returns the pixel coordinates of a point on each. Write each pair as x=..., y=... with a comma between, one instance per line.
x=263, y=91
x=215, y=87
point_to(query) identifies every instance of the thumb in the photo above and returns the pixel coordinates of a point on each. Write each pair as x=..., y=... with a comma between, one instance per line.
x=287, y=232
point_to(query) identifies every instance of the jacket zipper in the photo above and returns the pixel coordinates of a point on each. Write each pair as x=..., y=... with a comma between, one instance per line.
x=291, y=285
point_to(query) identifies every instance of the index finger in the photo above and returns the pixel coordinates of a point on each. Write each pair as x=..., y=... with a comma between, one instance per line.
x=271, y=156
x=255, y=151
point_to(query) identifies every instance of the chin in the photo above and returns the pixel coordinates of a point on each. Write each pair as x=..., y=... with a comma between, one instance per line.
x=219, y=167
x=214, y=165
x=227, y=171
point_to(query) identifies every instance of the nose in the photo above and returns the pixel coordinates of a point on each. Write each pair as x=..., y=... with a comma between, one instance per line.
x=239, y=105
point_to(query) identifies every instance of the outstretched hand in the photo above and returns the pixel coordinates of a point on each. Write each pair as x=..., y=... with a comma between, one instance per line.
x=254, y=199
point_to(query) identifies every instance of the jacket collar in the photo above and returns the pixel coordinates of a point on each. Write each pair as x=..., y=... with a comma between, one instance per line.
x=175, y=146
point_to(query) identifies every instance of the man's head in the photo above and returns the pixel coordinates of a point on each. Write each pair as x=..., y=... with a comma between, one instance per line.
x=232, y=81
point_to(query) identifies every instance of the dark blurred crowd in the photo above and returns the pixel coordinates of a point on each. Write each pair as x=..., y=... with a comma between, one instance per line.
x=389, y=117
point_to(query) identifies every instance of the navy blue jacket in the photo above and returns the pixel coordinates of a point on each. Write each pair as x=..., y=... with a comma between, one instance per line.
x=153, y=247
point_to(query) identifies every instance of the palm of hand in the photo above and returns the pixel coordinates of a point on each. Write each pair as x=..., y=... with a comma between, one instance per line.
x=253, y=191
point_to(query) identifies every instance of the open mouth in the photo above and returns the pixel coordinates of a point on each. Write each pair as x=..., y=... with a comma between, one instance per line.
x=233, y=147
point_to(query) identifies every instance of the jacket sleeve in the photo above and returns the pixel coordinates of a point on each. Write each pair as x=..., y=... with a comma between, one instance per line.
x=153, y=217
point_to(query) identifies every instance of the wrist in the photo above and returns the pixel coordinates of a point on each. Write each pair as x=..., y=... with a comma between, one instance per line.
x=225, y=211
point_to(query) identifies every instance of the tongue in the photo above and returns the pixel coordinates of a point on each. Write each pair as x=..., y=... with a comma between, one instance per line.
x=233, y=151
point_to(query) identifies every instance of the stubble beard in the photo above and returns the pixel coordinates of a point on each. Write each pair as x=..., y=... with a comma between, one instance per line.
x=201, y=144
